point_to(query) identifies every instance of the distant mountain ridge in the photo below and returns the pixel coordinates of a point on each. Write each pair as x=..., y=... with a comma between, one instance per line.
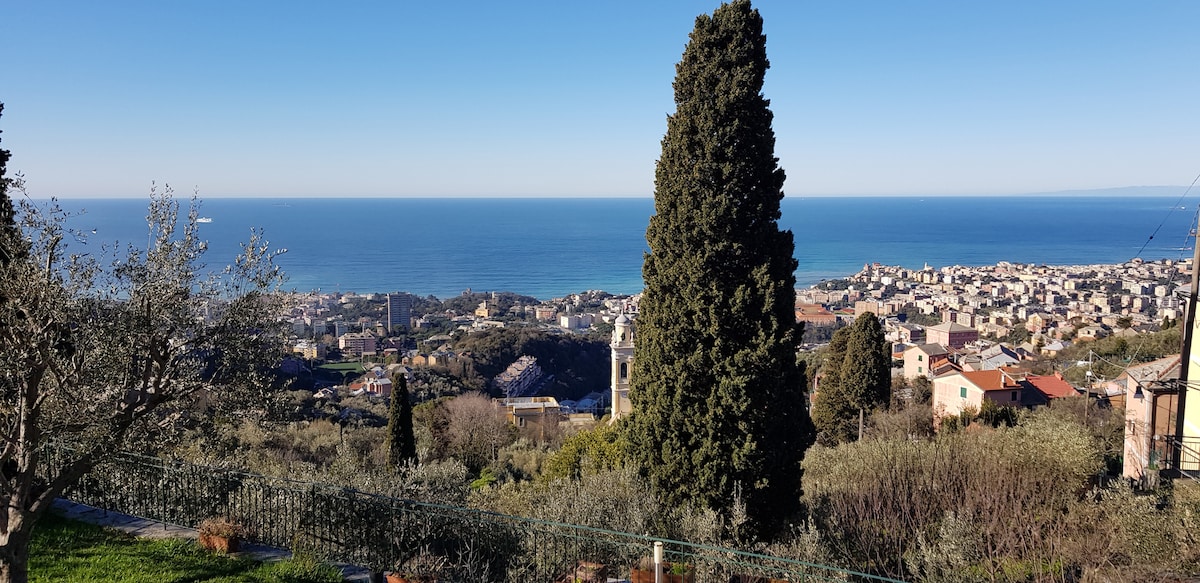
x=1122, y=191
x=1119, y=191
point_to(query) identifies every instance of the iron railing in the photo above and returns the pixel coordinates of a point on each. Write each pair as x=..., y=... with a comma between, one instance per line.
x=383, y=533
x=1176, y=455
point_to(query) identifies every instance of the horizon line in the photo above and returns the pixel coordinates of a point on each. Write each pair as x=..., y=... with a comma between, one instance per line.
x=1132, y=191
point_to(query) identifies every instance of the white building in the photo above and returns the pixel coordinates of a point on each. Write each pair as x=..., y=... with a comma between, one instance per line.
x=622, y=365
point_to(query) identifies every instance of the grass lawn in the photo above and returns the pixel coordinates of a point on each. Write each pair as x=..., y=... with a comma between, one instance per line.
x=70, y=551
x=356, y=367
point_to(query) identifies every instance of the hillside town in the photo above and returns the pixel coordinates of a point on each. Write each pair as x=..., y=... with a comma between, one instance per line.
x=975, y=333
x=398, y=333
x=1006, y=337
x=1053, y=303
x=987, y=330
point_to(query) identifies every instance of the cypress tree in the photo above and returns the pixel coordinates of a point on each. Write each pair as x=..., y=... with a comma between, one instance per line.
x=10, y=235
x=831, y=410
x=867, y=368
x=717, y=392
x=859, y=380
x=400, y=443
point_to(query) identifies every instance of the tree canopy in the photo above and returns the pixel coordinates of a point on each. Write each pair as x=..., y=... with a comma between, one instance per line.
x=10, y=240
x=717, y=392
x=855, y=379
x=94, y=357
x=401, y=445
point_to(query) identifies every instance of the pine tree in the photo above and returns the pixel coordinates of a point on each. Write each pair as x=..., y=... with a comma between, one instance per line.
x=858, y=380
x=401, y=445
x=718, y=394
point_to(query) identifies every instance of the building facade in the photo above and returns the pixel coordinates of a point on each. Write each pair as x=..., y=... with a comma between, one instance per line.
x=520, y=378
x=357, y=343
x=951, y=335
x=399, y=308
x=954, y=393
x=624, y=330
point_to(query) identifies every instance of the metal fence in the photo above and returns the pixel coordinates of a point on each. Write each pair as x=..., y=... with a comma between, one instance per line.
x=383, y=533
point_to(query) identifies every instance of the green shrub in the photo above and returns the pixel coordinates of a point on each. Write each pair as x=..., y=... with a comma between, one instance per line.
x=301, y=568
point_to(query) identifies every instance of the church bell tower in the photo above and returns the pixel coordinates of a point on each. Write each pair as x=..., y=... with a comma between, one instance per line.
x=622, y=365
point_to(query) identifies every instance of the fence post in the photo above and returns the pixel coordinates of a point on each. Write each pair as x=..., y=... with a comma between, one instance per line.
x=658, y=560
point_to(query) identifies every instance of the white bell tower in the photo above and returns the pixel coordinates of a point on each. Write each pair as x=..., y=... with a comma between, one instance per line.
x=622, y=365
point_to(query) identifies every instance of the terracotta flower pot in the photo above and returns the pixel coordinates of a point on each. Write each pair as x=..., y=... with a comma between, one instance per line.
x=220, y=544
x=641, y=576
x=638, y=575
x=398, y=578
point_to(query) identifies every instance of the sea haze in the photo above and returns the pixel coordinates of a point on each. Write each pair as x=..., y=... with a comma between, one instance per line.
x=551, y=247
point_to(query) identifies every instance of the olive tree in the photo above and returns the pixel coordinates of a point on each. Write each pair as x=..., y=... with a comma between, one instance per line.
x=102, y=350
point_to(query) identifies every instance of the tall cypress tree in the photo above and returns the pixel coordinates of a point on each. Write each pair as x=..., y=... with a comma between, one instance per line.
x=857, y=379
x=401, y=444
x=867, y=367
x=10, y=240
x=831, y=409
x=718, y=395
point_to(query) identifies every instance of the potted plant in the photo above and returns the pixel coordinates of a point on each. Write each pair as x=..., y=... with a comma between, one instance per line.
x=643, y=572
x=220, y=534
x=424, y=567
x=678, y=573
x=672, y=572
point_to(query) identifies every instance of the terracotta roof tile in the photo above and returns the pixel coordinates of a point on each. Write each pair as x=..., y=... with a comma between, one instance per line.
x=1052, y=386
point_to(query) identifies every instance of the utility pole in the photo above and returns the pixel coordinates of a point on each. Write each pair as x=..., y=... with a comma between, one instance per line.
x=1185, y=357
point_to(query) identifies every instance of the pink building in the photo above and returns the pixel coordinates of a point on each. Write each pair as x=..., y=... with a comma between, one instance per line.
x=951, y=335
x=919, y=360
x=958, y=391
x=1151, y=406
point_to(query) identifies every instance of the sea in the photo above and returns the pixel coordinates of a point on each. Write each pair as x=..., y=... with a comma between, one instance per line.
x=552, y=247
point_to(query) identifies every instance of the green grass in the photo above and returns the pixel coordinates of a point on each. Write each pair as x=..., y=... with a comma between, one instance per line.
x=343, y=367
x=69, y=551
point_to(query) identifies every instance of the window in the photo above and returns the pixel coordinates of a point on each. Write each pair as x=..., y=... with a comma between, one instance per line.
x=624, y=370
x=919, y=370
x=962, y=392
x=1014, y=396
x=920, y=357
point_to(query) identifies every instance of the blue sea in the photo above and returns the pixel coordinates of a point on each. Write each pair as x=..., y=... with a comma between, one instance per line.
x=552, y=247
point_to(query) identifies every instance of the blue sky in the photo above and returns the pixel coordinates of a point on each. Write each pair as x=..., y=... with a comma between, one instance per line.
x=562, y=98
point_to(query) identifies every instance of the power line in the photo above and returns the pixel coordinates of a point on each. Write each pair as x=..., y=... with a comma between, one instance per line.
x=1174, y=207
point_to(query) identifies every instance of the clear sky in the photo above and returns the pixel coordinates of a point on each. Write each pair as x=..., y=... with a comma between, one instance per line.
x=565, y=98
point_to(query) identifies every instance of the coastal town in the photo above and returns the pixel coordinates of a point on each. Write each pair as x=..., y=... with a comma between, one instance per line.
x=975, y=333
x=1045, y=307
x=1053, y=303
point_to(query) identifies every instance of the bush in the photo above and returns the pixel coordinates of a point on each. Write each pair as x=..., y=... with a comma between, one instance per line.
x=589, y=451
x=874, y=499
x=301, y=568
